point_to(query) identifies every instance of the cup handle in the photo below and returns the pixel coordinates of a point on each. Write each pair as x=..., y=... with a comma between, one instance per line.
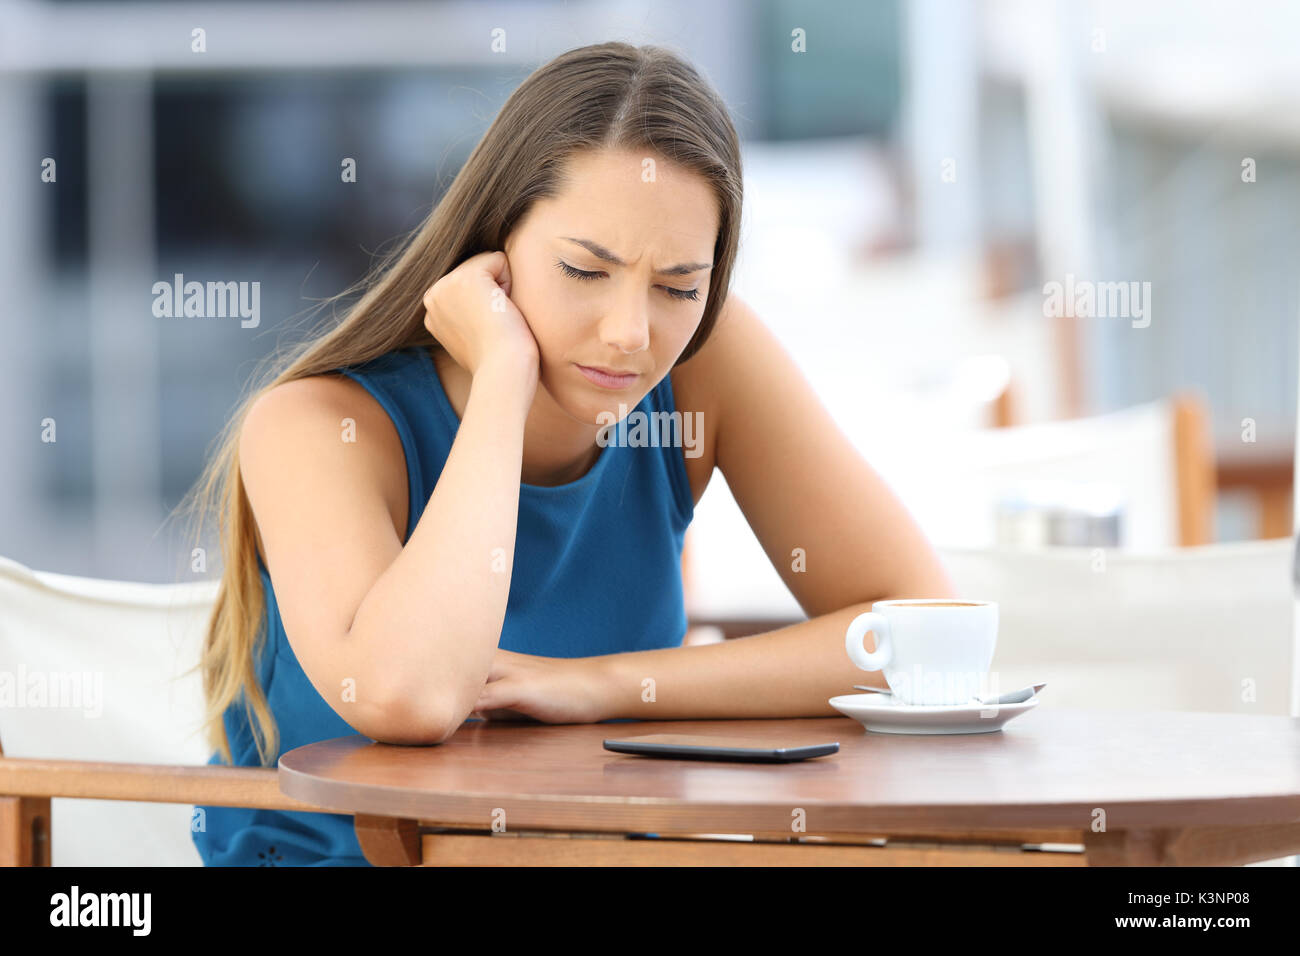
x=870, y=621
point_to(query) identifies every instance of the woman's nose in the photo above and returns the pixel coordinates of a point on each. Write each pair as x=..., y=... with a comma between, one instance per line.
x=629, y=333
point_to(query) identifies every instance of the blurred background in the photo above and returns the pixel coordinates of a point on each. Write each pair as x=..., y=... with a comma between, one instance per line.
x=920, y=178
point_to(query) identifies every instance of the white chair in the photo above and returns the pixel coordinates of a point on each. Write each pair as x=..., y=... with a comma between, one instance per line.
x=95, y=670
x=1156, y=457
x=1199, y=629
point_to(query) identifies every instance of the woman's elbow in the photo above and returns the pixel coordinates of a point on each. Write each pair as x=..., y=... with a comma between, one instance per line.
x=404, y=723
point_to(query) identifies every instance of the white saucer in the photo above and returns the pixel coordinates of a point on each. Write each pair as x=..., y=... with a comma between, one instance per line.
x=884, y=715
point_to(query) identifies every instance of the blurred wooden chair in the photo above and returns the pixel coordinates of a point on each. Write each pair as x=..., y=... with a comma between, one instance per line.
x=1197, y=474
x=1159, y=454
x=1264, y=472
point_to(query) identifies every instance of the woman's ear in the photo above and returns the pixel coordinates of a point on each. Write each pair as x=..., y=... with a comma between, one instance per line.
x=504, y=281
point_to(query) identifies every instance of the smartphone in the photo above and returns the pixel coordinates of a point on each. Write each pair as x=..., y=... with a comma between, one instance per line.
x=692, y=747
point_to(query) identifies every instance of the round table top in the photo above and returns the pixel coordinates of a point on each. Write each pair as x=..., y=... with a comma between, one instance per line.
x=1048, y=768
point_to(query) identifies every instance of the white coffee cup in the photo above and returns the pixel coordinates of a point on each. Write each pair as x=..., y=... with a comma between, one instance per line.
x=933, y=651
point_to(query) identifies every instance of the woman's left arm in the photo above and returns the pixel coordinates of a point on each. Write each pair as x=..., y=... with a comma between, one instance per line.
x=801, y=485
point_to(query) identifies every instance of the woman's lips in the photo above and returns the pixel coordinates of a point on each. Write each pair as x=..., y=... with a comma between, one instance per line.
x=605, y=380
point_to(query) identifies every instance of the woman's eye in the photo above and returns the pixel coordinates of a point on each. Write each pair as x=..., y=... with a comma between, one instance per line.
x=575, y=273
x=691, y=295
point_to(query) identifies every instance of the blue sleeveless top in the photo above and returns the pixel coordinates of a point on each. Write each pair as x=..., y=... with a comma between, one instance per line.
x=636, y=493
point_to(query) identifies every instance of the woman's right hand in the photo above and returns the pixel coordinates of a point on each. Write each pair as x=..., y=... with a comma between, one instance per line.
x=470, y=313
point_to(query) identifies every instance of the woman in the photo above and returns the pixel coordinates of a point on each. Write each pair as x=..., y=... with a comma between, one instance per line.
x=386, y=571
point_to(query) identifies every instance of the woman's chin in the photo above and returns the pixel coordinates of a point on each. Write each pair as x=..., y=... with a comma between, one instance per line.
x=595, y=406
x=595, y=413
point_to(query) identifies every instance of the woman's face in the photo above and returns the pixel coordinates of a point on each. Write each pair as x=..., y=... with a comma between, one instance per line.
x=584, y=308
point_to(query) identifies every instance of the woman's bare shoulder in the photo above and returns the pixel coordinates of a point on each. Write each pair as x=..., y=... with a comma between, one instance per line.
x=309, y=425
x=319, y=401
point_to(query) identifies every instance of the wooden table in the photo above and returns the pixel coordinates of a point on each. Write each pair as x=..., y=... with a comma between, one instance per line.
x=1055, y=787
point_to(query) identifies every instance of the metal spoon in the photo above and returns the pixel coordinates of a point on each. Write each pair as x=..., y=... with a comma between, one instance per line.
x=1010, y=697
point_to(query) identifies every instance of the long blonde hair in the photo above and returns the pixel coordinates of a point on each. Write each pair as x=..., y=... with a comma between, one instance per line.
x=608, y=95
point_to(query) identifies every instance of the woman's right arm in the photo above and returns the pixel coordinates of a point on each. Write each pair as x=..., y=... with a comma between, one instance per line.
x=397, y=639
x=433, y=619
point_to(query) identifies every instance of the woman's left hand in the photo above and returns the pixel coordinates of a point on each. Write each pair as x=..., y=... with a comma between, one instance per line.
x=554, y=690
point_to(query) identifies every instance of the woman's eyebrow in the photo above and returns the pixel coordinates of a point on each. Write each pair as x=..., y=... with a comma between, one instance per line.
x=600, y=252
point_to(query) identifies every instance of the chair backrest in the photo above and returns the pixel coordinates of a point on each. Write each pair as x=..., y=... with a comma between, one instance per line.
x=1146, y=454
x=1206, y=628
x=96, y=670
